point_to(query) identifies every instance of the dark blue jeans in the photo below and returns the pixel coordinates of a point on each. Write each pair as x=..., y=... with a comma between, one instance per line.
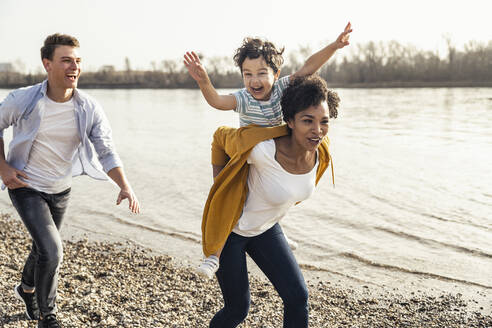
x=42, y=215
x=273, y=256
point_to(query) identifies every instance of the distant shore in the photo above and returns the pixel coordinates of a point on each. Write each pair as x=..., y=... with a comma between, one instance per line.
x=121, y=285
x=232, y=80
x=369, y=65
x=369, y=85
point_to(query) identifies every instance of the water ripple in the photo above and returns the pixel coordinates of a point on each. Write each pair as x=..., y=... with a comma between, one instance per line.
x=415, y=272
x=461, y=249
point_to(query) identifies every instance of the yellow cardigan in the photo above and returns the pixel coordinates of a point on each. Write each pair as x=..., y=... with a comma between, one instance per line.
x=231, y=147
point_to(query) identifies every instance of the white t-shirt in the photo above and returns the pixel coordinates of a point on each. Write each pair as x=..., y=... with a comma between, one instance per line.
x=272, y=190
x=49, y=166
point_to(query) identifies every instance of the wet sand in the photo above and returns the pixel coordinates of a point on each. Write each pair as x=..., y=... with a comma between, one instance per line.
x=119, y=284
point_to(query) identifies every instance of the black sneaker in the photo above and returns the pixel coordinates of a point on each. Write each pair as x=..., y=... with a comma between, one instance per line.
x=49, y=322
x=29, y=299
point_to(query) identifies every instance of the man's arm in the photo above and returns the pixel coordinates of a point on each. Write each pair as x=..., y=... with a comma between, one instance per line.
x=8, y=174
x=199, y=74
x=102, y=141
x=8, y=117
x=118, y=175
x=314, y=63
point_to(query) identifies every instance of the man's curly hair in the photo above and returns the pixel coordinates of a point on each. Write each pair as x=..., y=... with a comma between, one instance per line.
x=55, y=40
x=253, y=48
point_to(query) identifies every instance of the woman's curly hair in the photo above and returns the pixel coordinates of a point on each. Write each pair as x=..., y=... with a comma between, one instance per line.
x=307, y=91
x=253, y=48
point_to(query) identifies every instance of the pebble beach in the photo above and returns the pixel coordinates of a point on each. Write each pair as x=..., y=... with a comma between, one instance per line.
x=118, y=284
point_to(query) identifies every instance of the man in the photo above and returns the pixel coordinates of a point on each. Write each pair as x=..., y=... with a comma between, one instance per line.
x=54, y=125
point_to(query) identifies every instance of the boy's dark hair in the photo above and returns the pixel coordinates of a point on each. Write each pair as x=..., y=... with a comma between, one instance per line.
x=55, y=40
x=253, y=48
x=307, y=91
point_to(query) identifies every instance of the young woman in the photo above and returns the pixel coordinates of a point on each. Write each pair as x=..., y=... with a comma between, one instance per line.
x=264, y=171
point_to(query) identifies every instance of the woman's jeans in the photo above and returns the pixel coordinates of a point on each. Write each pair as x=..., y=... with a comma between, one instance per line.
x=273, y=256
x=42, y=215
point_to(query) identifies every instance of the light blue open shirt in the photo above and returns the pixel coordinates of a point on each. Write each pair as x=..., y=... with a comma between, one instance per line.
x=19, y=110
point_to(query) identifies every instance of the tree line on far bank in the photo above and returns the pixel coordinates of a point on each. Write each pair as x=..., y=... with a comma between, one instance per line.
x=384, y=64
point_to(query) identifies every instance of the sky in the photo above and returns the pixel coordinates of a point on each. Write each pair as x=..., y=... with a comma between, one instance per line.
x=148, y=31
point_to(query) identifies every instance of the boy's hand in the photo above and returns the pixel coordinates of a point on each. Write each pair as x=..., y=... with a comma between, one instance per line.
x=343, y=38
x=195, y=67
x=199, y=74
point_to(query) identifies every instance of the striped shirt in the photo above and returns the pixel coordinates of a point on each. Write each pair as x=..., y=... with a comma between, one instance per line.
x=263, y=113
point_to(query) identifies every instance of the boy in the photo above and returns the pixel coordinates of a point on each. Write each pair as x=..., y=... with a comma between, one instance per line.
x=259, y=101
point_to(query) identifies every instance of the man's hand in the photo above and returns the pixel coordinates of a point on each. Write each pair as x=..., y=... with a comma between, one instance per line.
x=10, y=177
x=343, y=38
x=195, y=67
x=133, y=204
x=118, y=176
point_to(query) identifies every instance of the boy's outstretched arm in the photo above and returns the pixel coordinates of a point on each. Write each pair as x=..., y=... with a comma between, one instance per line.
x=199, y=74
x=314, y=63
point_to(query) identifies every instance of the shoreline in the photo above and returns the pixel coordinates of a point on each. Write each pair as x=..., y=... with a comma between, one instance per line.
x=120, y=284
x=337, y=85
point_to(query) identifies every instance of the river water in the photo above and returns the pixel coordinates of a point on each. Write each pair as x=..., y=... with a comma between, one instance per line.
x=412, y=202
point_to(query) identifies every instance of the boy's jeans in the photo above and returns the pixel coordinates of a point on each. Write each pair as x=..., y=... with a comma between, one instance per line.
x=42, y=215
